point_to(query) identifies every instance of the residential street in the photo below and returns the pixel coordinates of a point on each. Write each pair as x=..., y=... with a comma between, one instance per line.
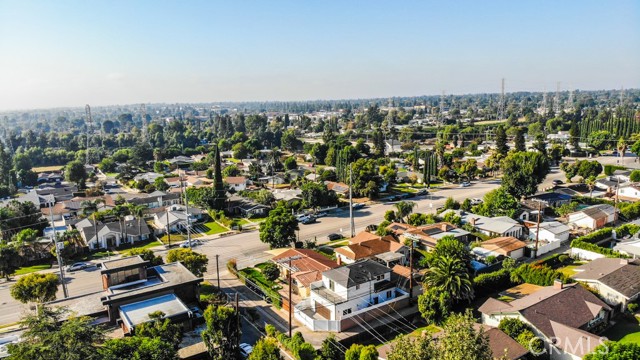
x=247, y=249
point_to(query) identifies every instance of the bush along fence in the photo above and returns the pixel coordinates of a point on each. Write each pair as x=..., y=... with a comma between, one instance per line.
x=295, y=345
x=588, y=242
x=256, y=284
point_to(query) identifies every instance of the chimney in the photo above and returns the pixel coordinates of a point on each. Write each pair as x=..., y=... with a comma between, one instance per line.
x=339, y=260
x=444, y=227
x=557, y=284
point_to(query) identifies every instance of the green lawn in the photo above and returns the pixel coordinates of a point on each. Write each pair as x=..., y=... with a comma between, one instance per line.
x=569, y=270
x=626, y=330
x=111, y=174
x=258, y=220
x=174, y=238
x=30, y=269
x=146, y=246
x=244, y=222
x=430, y=329
x=215, y=228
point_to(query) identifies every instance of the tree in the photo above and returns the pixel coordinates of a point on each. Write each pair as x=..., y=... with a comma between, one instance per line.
x=165, y=330
x=501, y=141
x=266, y=349
x=47, y=336
x=289, y=140
x=361, y=352
x=147, y=255
x=434, y=305
x=138, y=348
x=519, y=140
x=218, y=185
x=36, y=287
x=404, y=208
x=193, y=261
x=451, y=276
x=160, y=184
x=497, y=202
x=329, y=349
x=612, y=350
x=406, y=348
x=635, y=148
x=231, y=170
x=523, y=171
x=635, y=176
x=222, y=332
x=461, y=340
x=290, y=163
x=10, y=260
x=279, y=229
x=599, y=139
x=270, y=271
x=317, y=195
x=76, y=172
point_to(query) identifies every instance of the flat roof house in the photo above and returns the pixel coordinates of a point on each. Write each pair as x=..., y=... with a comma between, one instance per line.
x=496, y=226
x=428, y=236
x=346, y=296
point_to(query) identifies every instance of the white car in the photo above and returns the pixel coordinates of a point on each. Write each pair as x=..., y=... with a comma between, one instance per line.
x=476, y=201
x=245, y=350
x=465, y=184
x=194, y=243
x=78, y=266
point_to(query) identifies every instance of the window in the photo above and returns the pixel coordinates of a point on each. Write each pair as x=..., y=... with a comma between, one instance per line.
x=346, y=311
x=379, y=277
x=332, y=285
x=389, y=294
x=357, y=286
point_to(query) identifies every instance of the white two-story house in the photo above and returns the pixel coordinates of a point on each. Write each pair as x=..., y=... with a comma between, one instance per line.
x=350, y=295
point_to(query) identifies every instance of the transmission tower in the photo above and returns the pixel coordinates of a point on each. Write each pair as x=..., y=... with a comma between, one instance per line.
x=89, y=124
x=501, y=102
x=544, y=102
x=570, y=101
x=621, y=96
x=556, y=100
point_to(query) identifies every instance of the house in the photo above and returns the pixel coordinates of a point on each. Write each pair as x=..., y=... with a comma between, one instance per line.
x=392, y=146
x=60, y=192
x=237, y=183
x=112, y=234
x=505, y=246
x=629, y=192
x=181, y=161
x=305, y=266
x=149, y=176
x=288, y=195
x=385, y=250
x=246, y=207
x=50, y=178
x=427, y=236
x=348, y=295
x=621, y=175
x=338, y=187
x=551, y=236
x=593, y=217
x=616, y=280
x=551, y=199
x=563, y=316
x=497, y=226
x=607, y=185
x=630, y=247
x=133, y=290
x=174, y=218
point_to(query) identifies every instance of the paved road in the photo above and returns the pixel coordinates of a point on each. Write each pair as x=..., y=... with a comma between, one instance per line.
x=247, y=249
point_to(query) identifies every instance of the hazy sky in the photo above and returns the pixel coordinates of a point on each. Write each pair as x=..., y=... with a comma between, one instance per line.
x=70, y=53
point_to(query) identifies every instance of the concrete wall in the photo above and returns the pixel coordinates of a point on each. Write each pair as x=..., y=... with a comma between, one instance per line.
x=585, y=254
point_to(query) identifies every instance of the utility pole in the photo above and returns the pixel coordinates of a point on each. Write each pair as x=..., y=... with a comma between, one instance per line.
x=352, y=223
x=168, y=230
x=411, y=271
x=186, y=211
x=58, y=250
x=218, y=270
x=615, y=208
x=238, y=319
x=538, y=228
x=290, y=302
x=88, y=124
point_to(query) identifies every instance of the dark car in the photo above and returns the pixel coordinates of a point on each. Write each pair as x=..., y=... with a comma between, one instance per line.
x=422, y=192
x=334, y=236
x=557, y=182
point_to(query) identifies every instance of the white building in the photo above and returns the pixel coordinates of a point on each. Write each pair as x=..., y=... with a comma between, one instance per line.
x=594, y=217
x=497, y=226
x=346, y=295
x=616, y=280
x=552, y=235
x=630, y=192
x=237, y=183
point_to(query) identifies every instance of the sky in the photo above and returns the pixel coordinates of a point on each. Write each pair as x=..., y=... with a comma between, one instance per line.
x=67, y=53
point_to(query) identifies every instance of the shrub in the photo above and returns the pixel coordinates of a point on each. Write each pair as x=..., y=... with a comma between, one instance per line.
x=270, y=330
x=487, y=283
x=526, y=339
x=491, y=259
x=610, y=253
x=270, y=271
x=512, y=327
x=540, y=275
x=609, y=169
x=632, y=307
x=564, y=259
x=232, y=266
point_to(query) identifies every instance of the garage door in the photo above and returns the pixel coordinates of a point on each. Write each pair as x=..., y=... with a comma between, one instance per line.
x=323, y=311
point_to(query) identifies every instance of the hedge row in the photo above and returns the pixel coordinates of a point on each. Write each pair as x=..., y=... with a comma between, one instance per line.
x=536, y=274
x=578, y=244
x=262, y=283
x=627, y=229
x=630, y=210
x=297, y=346
x=596, y=236
x=487, y=283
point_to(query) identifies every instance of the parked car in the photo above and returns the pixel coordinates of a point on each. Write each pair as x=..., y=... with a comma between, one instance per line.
x=308, y=220
x=195, y=242
x=358, y=206
x=422, y=192
x=334, y=236
x=476, y=201
x=557, y=182
x=78, y=266
x=245, y=350
x=465, y=184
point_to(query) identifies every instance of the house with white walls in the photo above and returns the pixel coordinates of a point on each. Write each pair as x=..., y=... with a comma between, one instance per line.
x=350, y=295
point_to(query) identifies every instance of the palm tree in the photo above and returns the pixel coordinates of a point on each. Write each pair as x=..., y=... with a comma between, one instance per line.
x=120, y=212
x=90, y=208
x=138, y=212
x=404, y=208
x=451, y=276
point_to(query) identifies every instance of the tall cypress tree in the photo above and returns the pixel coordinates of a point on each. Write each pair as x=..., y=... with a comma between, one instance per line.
x=501, y=141
x=218, y=185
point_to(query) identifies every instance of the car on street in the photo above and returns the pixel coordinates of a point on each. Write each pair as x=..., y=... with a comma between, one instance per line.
x=476, y=201
x=422, y=192
x=308, y=220
x=358, y=206
x=465, y=184
x=245, y=350
x=334, y=236
x=557, y=182
x=78, y=266
x=195, y=242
